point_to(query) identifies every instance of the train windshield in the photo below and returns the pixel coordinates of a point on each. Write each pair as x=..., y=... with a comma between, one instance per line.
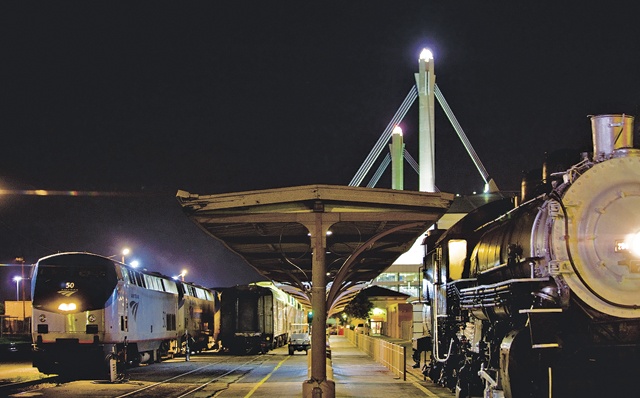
x=73, y=283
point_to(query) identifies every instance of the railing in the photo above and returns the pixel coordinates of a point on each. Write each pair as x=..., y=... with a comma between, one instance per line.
x=392, y=356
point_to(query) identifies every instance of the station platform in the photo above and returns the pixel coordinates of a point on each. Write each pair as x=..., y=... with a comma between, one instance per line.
x=356, y=374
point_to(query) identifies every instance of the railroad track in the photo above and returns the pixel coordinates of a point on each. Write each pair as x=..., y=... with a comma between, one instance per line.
x=193, y=380
x=10, y=388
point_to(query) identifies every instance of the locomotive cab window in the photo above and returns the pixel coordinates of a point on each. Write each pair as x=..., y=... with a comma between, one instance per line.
x=457, y=255
x=87, y=282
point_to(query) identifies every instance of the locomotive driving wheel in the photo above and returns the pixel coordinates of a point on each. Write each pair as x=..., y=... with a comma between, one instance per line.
x=522, y=372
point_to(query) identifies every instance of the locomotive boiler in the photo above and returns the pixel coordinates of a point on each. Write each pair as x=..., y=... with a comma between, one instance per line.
x=542, y=299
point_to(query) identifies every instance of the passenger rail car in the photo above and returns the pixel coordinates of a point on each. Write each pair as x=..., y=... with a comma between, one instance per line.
x=543, y=299
x=256, y=318
x=199, y=317
x=87, y=307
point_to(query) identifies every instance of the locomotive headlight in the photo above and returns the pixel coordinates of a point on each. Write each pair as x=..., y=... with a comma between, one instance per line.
x=67, y=307
x=633, y=243
x=630, y=244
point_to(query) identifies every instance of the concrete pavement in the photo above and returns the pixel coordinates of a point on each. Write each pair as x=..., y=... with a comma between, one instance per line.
x=358, y=375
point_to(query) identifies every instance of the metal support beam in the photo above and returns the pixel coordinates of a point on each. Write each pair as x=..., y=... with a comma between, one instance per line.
x=318, y=301
x=318, y=385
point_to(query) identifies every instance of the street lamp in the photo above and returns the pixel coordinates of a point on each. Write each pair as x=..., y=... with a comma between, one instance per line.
x=180, y=275
x=135, y=263
x=17, y=280
x=125, y=251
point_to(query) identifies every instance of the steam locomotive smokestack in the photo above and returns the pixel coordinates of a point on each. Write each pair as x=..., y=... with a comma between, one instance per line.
x=610, y=132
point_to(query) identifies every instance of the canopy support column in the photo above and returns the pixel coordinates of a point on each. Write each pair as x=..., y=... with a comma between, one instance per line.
x=318, y=386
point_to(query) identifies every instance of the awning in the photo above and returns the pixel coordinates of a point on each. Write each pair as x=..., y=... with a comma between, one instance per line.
x=367, y=229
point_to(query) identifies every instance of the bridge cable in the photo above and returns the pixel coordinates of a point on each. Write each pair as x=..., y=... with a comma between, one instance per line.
x=384, y=138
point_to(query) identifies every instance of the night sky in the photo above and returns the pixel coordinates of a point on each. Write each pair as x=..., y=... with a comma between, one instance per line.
x=129, y=102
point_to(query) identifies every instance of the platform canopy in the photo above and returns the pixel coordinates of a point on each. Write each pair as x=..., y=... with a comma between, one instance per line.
x=366, y=230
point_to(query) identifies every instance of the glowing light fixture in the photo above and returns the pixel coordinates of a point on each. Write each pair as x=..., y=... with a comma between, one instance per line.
x=125, y=251
x=634, y=243
x=426, y=54
x=631, y=244
x=17, y=280
x=67, y=307
x=135, y=263
x=378, y=311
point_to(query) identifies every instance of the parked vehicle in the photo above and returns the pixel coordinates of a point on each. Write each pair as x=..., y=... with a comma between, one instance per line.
x=299, y=342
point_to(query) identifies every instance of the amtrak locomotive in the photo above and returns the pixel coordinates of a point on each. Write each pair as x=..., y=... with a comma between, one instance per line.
x=87, y=307
x=543, y=298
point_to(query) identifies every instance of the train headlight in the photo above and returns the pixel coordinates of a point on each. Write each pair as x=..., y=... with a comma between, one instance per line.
x=634, y=243
x=67, y=307
x=630, y=244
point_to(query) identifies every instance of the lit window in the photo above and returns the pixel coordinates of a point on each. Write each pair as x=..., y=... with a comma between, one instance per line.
x=387, y=277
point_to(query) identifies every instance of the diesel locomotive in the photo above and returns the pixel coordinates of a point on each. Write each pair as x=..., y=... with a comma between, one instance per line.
x=87, y=307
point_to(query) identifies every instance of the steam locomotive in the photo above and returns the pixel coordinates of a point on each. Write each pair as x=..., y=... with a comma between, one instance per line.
x=542, y=297
x=87, y=307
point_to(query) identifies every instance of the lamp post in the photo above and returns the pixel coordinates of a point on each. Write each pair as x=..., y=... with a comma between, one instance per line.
x=125, y=251
x=17, y=280
x=183, y=273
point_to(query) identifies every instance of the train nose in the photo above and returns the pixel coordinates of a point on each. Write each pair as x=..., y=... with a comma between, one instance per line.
x=596, y=242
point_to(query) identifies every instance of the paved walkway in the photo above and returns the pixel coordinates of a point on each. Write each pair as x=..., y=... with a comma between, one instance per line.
x=357, y=375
